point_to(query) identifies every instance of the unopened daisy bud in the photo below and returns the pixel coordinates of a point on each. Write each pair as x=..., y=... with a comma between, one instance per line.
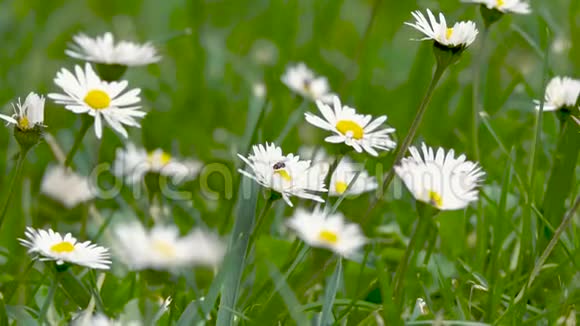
x=28, y=120
x=449, y=42
x=112, y=59
x=440, y=179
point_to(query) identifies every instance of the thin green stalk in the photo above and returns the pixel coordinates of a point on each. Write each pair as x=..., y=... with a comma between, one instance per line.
x=10, y=189
x=549, y=248
x=439, y=70
x=296, y=254
x=414, y=244
x=86, y=123
x=330, y=173
x=292, y=121
x=476, y=96
x=482, y=229
x=260, y=222
x=48, y=300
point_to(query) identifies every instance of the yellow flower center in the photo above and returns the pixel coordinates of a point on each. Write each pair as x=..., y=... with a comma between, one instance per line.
x=164, y=248
x=159, y=157
x=97, y=99
x=284, y=174
x=62, y=247
x=306, y=84
x=23, y=123
x=435, y=199
x=449, y=33
x=340, y=186
x=500, y=3
x=347, y=127
x=328, y=237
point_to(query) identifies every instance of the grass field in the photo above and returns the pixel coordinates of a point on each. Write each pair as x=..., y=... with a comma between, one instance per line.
x=510, y=257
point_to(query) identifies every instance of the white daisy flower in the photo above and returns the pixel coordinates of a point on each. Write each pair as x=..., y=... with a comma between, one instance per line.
x=353, y=129
x=133, y=163
x=99, y=319
x=303, y=81
x=102, y=49
x=561, y=92
x=320, y=160
x=287, y=175
x=51, y=245
x=319, y=229
x=162, y=247
x=505, y=6
x=440, y=179
x=87, y=93
x=65, y=186
x=343, y=175
x=28, y=115
x=462, y=34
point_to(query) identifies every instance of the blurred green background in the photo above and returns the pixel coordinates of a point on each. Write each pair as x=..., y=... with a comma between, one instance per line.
x=214, y=52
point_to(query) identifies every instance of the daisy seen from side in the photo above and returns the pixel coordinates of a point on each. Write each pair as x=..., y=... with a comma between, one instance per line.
x=28, y=115
x=460, y=35
x=330, y=231
x=52, y=246
x=66, y=186
x=561, y=93
x=440, y=179
x=133, y=163
x=103, y=49
x=504, y=6
x=163, y=248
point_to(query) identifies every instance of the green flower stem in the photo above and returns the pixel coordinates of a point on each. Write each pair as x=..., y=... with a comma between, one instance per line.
x=476, y=95
x=549, y=248
x=331, y=169
x=440, y=69
x=16, y=172
x=260, y=221
x=48, y=300
x=86, y=123
x=561, y=175
x=292, y=122
x=418, y=237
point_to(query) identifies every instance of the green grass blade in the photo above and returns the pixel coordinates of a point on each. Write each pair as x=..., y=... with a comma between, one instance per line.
x=330, y=294
x=294, y=307
x=245, y=219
